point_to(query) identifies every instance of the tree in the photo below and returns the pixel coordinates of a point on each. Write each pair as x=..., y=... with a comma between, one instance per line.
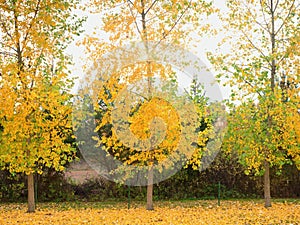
x=34, y=86
x=124, y=22
x=264, y=38
x=164, y=133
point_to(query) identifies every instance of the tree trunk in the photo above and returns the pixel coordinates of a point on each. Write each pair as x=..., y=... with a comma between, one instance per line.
x=267, y=192
x=150, y=190
x=31, y=201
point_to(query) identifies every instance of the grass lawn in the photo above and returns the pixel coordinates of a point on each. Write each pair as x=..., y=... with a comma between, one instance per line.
x=166, y=212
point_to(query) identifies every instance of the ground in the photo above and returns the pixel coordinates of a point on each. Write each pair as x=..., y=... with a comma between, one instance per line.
x=187, y=212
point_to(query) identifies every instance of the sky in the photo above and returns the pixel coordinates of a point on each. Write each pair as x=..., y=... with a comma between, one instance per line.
x=207, y=44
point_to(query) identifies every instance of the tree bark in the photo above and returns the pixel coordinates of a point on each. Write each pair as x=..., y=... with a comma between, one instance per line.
x=267, y=192
x=150, y=190
x=31, y=200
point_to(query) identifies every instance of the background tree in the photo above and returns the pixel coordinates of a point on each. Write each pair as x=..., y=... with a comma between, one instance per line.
x=263, y=36
x=126, y=21
x=34, y=86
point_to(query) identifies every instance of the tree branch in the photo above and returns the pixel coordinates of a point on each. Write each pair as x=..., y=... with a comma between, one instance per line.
x=284, y=21
x=264, y=16
x=31, y=22
x=8, y=53
x=5, y=29
x=132, y=14
x=174, y=25
x=247, y=82
x=153, y=3
x=253, y=17
x=254, y=46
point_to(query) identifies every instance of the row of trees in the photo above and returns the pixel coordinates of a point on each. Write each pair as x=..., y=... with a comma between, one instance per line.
x=263, y=68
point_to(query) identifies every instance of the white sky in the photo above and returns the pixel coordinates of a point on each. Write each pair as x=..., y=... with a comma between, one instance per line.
x=207, y=44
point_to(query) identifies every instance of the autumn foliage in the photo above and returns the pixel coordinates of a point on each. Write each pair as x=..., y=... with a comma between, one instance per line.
x=263, y=69
x=141, y=98
x=35, y=105
x=194, y=212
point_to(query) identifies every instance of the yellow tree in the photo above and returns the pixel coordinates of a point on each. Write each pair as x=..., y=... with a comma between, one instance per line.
x=34, y=100
x=263, y=69
x=151, y=22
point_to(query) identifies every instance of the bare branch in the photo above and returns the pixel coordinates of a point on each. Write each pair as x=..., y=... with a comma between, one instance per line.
x=156, y=16
x=174, y=25
x=153, y=3
x=286, y=18
x=132, y=14
x=264, y=16
x=253, y=17
x=129, y=1
x=251, y=85
x=259, y=50
x=5, y=28
x=140, y=95
x=32, y=21
x=247, y=82
x=267, y=68
x=276, y=5
x=268, y=6
x=8, y=53
x=8, y=46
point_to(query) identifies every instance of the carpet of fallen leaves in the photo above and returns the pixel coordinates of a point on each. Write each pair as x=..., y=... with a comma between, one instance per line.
x=188, y=212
